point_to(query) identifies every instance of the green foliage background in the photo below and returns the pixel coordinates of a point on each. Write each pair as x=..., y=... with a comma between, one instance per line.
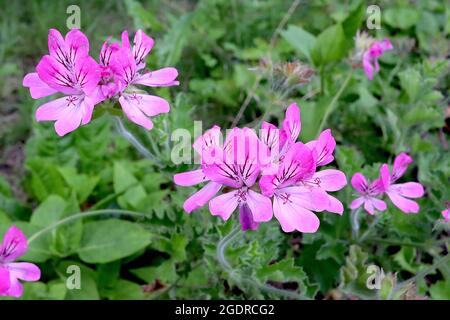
x=216, y=46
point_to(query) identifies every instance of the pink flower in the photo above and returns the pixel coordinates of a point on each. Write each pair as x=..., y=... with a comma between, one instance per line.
x=203, y=146
x=399, y=193
x=69, y=70
x=369, y=194
x=15, y=245
x=126, y=64
x=370, y=57
x=293, y=203
x=237, y=165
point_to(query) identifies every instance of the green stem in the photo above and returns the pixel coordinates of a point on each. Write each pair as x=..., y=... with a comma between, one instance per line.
x=82, y=215
x=224, y=263
x=369, y=229
x=329, y=109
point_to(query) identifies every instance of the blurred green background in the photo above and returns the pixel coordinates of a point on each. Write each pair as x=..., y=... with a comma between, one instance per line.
x=228, y=52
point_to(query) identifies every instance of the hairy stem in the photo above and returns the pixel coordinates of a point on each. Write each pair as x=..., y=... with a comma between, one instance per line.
x=354, y=221
x=82, y=215
x=330, y=108
x=135, y=142
x=234, y=274
x=440, y=262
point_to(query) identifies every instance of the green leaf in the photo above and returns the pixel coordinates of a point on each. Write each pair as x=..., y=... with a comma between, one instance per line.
x=329, y=46
x=401, y=17
x=300, y=39
x=125, y=290
x=125, y=180
x=82, y=184
x=440, y=290
x=109, y=240
x=88, y=281
x=45, y=179
x=410, y=80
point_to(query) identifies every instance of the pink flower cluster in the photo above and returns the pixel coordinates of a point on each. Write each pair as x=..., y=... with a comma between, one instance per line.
x=370, y=57
x=398, y=193
x=68, y=69
x=15, y=245
x=265, y=176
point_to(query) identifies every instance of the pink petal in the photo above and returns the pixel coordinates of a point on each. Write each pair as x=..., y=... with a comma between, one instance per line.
x=125, y=40
x=408, y=189
x=310, y=198
x=134, y=113
x=142, y=46
x=107, y=52
x=386, y=45
x=298, y=164
x=14, y=245
x=292, y=124
x=405, y=205
x=368, y=206
x=294, y=217
x=158, y=78
x=77, y=44
x=324, y=147
x=368, y=68
x=151, y=105
x=190, y=178
x=401, y=163
x=330, y=179
x=124, y=67
x=380, y=205
x=38, y=88
x=87, y=73
x=356, y=203
x=24, y=271
x=5, y=281
x=15, y=288
x=56, y=43
x=211, y=137
x=56, y=76
x=334, y=205
x=359, y=182
x=224, y=205
x=53, y=110
x=260, y=206
x=71, y=117
x=446, y=214
x=267, y=184
x=201, y=197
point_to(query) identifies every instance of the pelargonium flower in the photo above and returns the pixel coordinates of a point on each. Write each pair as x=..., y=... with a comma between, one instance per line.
x=399, y=193
x=68, y=69
x=237, y=165
x=369, y=194
x=15, y=245
x=292, y=203
x=126, y=64
x=296, y=186
x=370, y=57
x=286, y=170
